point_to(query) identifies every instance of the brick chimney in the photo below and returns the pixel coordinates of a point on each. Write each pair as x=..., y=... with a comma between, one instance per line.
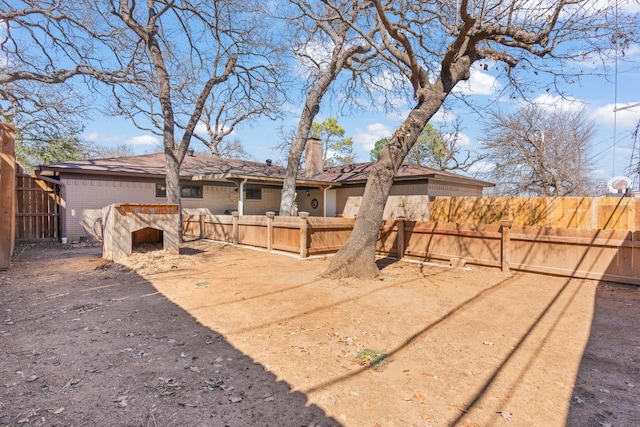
x=313, y=157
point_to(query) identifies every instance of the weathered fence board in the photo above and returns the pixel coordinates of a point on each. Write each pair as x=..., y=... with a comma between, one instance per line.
x=612, y=255
x=286, y=234
x=328, y=235
x=587, y=213
x=38, y=210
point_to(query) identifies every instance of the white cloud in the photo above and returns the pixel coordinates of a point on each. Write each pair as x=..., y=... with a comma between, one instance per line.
x=553, y=102
x=102, y=139
x=93, y=136
x=625, y=151
x=313, y=57
x=626, y=117
x=463, y=139
x=443, y=116
x=479, y=83
x=481, y=167
x=201, y=129
x=143, y=140
x=398, y=115
x=367, y=138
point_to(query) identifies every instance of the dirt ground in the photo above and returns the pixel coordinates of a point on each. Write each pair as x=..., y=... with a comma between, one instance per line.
x=228, y=336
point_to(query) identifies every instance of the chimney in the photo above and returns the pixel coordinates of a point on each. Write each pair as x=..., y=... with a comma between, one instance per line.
x=313, y=158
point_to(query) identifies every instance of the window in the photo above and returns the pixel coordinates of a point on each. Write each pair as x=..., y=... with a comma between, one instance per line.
x=186, y=191
x=254, y=193
x=191, y=191
x=161, y=190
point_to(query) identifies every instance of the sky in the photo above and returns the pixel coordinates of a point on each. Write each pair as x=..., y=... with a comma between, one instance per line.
x=612, y=149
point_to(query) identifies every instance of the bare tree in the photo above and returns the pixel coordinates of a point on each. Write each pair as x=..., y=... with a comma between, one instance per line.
x=433, y=45
x=40, y=109
x=239, y=101
x=221, y=120
x=164, y=62
x=233, y=149
x=325, y=44
x=183, y=55
x=538, y=151
x=41, y=53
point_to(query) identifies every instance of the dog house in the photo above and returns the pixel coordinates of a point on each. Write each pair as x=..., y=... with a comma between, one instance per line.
x=126, y=225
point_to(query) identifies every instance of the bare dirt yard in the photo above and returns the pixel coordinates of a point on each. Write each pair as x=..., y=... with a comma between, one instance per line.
x=228, y=336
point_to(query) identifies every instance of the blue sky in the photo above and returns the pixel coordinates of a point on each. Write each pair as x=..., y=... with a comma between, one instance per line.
x=612, y=150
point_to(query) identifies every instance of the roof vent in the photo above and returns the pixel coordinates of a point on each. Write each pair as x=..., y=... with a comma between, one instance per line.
x=190, y=152
x=268, y=162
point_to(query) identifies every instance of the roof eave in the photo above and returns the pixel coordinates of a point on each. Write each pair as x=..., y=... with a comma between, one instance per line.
x=256, y=178
x=99, y=172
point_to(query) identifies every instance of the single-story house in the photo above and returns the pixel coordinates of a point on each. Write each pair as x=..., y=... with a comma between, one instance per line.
x=221, y=186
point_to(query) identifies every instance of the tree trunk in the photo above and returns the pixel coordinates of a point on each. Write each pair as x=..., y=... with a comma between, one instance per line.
x=309, y=112
x=173, y=183
x=357, y=258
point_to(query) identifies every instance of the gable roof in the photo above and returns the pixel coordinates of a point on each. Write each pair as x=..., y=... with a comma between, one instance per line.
x=209, y=168
x=359, y=172
x=155, y=165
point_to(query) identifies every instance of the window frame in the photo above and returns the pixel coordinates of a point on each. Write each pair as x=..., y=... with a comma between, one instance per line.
x=253, y=193
x=161, y=191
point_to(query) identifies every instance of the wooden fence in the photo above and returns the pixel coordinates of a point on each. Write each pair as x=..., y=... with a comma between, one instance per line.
x=7, y=194
x=38, y=209
x=612, y=255
x=585, y=213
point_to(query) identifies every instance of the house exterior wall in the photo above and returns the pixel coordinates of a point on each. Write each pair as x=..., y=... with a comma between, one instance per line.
x=442, y=188
x=305, y=202
x=87, y=193
x=409, y=200
x=84, y=193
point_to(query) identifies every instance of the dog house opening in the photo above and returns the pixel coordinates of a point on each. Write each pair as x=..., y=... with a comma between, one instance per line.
x=148, y=238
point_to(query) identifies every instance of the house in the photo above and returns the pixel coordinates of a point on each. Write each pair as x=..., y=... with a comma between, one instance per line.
x=221, y=186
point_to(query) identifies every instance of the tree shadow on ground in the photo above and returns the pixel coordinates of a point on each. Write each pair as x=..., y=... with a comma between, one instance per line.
x=605, y=391
x=88, y=345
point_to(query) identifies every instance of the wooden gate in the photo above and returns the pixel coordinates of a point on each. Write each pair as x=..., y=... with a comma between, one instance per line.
x=38, y=208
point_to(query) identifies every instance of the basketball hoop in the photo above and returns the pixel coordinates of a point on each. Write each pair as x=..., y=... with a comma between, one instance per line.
x=619, y=184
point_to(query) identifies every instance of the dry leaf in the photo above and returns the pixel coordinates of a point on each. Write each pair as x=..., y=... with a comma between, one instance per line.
x=58, y=411
x=505, y=414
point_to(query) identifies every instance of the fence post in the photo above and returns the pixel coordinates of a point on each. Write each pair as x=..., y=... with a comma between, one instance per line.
x=304, y=234
x=202, y=226
x=234, y=232
x=7, y=194
x=270, y=216
x=400, y=225
x=505, y=247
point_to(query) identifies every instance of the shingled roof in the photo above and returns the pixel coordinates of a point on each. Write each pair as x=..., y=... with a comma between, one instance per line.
x=155, y=165
x=209, y=168
x=359, y=172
